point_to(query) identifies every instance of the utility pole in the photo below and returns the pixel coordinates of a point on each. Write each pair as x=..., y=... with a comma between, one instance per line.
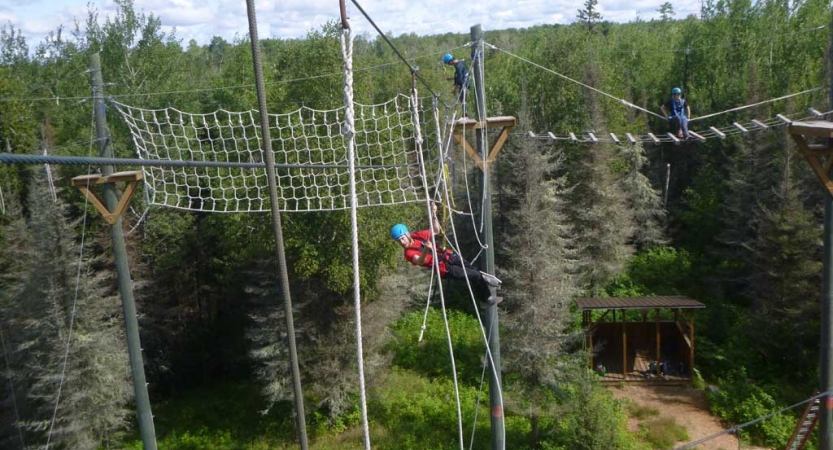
x=134, y=346
x=490, y=315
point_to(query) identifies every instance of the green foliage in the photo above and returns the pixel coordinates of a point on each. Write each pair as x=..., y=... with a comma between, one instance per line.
x=660, y=270
x=664, y=433
x=740, y=400
x=430, y=357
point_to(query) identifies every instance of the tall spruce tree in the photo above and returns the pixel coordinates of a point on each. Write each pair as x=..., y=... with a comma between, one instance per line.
x=540, y=274
x=51, y=305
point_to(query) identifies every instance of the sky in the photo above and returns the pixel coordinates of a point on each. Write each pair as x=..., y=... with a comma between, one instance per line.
x=201, y=20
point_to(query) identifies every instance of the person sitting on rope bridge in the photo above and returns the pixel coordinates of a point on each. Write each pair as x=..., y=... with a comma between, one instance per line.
x=678, y=113
x=461, y=79
x=419, y=252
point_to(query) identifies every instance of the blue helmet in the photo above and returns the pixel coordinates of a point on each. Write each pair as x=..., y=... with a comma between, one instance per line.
x=447, y=58
x=676, y=91
x=398, y=231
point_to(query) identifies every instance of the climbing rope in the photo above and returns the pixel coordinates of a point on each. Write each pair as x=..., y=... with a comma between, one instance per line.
x=435, y=260
x=346, y=39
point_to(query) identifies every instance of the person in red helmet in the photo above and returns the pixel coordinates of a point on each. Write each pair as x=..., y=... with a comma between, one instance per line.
x=419, y=251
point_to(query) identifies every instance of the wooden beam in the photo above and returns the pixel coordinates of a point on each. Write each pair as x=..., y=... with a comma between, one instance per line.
x=631, y=139
x=817, y=128
x=468, y=148
x=674, y=139
x=740, y=127
x=551, y=136
x=653, y=138
x=614, y=138
x=812, y=157
x=683, y=333
x=501, y=139
x=593, y=138
x=573, y=137
x=132, y=178
x=759, y=124
x=783, y=119
x=717, y=132
x=697, y=136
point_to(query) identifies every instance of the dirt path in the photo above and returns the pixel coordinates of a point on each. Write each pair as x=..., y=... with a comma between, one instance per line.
x=688, y=406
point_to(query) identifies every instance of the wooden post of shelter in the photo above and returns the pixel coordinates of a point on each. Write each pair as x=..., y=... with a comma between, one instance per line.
x=624, y=346
x=461, y=125
x=659, y=335
x=691, y=348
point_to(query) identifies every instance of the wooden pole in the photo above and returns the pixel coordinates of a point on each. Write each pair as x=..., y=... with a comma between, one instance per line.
x=624, y=347
x=691, y=350
x=656, y=320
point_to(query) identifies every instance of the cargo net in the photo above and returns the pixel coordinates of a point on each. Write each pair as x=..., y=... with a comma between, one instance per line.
x=310, y=157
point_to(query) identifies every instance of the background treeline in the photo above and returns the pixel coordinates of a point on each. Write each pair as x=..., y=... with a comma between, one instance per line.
x=739, y=228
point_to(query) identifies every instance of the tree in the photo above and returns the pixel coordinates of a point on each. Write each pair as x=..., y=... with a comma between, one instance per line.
x=64, y=327
x=540, y=274
x=666, y=12
x=589, y=15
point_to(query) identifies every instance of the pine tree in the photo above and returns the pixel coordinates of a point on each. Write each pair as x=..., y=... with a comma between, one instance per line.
x=539, y=272
x=644, y=201
x=48, y=297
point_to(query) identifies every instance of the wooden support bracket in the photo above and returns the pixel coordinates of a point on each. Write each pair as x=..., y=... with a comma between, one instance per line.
x=820, y=156
x=132, y=179
x=507, y=123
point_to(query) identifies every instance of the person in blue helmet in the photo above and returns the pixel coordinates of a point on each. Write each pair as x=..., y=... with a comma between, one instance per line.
x=678, y=113
x=462, y=83
x=419, y=251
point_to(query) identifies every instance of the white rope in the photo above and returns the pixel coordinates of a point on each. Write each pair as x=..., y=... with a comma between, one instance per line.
x=739, y=108
x=622, y=101
x=435, y=261
x=480, y=390
x=456, y=246
x=49, y=179
x=74, y=305
x=346, y=39
x=2, y=202
x=11, y=386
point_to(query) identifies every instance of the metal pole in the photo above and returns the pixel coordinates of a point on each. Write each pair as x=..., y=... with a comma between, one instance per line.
x=826, y=382
x=490, y=316
x=134, y=346
x=269, y=157
x=826, y=419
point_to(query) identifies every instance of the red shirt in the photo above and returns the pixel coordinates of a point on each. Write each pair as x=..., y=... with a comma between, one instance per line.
x=415, y=249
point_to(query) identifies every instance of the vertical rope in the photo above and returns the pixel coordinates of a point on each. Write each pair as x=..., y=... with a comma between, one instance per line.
x=346, y=39
x=434, y=261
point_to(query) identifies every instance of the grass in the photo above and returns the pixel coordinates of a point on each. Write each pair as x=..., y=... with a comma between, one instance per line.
x=638, y=411
x=663, y=433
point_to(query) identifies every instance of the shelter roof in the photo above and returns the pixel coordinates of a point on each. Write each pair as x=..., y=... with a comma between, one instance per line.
x=676, y=301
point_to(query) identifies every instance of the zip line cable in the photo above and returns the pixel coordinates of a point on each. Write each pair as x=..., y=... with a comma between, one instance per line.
x=233, y=87
x=631, y=105
x=413, y=70
x=757, y=104
x=735, y=429
x=622, y=101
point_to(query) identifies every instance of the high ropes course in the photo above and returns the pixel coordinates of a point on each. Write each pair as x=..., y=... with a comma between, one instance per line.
x=346, y=158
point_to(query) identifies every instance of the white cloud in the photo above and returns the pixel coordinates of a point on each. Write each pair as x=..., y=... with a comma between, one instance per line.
x=203, y=19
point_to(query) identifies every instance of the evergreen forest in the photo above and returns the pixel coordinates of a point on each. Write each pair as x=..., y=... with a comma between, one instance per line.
x=735, y=223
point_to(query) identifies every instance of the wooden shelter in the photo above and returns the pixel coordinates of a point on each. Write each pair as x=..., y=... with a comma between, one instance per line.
x=626, y=349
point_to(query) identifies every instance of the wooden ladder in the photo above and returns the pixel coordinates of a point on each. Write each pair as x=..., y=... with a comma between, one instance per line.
x=805, y=426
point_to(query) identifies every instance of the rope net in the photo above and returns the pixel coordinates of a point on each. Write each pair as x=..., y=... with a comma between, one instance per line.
x=310, y=155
